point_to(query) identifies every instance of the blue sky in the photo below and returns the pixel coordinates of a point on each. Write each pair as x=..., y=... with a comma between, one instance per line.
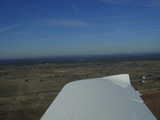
x=36, y=28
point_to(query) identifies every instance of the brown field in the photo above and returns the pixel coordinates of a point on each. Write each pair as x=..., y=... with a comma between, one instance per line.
x=26, y=91
x=152, y=100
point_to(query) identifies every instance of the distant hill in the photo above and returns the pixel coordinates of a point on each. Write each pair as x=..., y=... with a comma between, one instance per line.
x=81, y=59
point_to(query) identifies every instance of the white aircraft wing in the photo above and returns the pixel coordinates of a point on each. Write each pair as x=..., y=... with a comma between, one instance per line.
x=108, y=98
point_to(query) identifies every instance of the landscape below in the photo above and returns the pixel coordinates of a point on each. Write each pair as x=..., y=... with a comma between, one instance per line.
x=27, y=88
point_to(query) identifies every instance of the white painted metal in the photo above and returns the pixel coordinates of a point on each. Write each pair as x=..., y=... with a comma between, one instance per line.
x=108, y=98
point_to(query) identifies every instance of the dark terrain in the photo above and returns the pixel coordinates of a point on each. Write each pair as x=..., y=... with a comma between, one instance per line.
x=26, y=90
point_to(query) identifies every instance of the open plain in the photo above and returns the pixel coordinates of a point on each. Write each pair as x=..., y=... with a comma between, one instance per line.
x=26, y=91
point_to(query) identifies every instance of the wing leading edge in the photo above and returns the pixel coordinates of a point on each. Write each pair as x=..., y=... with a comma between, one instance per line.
x=108, y=98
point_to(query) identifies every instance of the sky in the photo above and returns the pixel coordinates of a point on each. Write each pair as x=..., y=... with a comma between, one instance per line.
x=38, y=28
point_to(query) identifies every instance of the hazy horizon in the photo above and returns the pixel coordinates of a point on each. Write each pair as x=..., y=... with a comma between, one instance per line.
x=85, y=55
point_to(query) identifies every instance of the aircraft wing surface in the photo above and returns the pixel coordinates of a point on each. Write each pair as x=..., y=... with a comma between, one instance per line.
x=108, y=98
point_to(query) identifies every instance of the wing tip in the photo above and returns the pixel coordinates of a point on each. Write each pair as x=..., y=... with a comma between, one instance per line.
x=122, y=80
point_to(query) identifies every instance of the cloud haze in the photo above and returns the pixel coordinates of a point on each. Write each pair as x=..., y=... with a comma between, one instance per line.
x=116, y=1
x=8, y=28
x=66, y=23
x=152, y=3
x=136, y=3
